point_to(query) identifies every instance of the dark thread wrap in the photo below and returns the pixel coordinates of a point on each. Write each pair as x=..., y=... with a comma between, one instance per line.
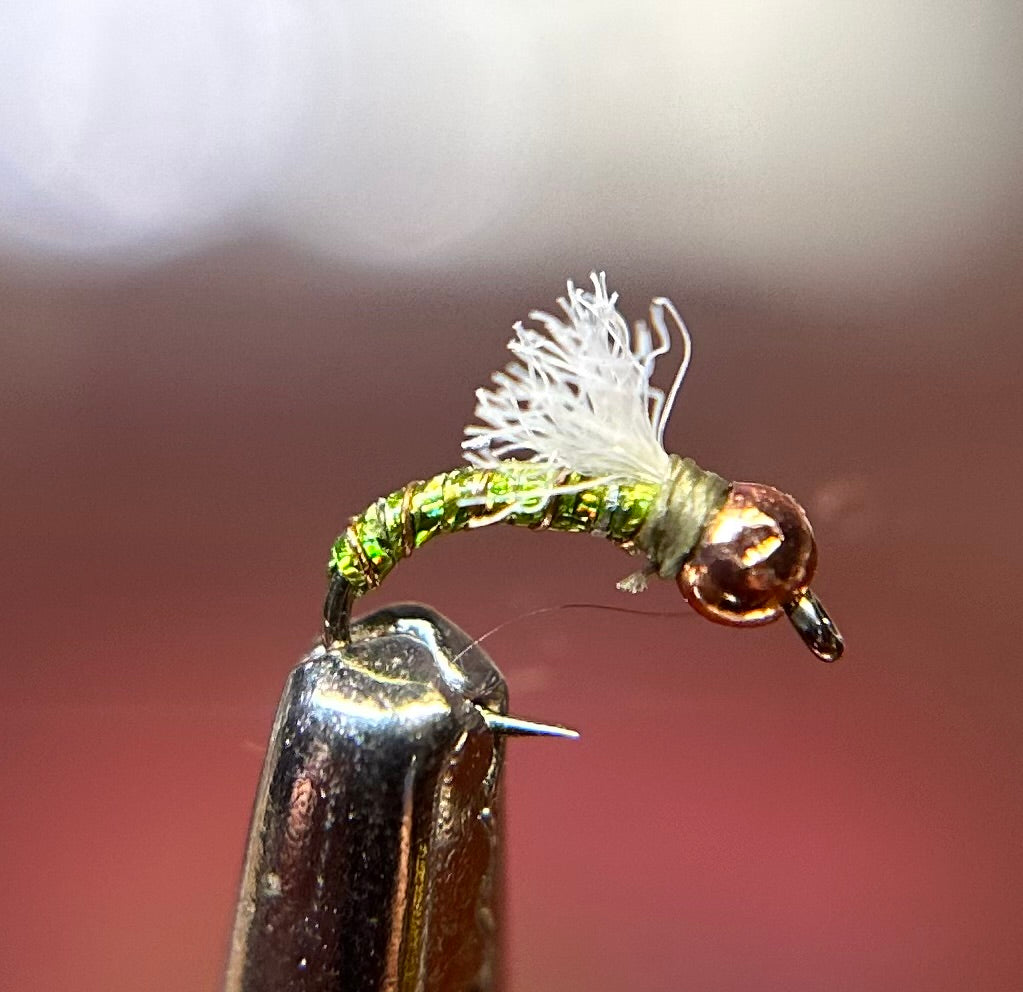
x=687, y=502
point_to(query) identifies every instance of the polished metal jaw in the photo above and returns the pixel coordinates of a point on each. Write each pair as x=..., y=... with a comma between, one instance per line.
x=374, y=858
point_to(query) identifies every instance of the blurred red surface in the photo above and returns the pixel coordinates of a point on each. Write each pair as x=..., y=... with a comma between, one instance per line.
x=181, y=446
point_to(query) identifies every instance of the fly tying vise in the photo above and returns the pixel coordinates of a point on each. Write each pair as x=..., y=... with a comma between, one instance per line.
x=571, y=439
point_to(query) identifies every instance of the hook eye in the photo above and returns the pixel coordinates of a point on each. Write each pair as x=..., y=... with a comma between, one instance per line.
x=815, y=627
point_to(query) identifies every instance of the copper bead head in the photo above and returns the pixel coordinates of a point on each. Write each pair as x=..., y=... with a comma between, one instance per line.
x=754, y=559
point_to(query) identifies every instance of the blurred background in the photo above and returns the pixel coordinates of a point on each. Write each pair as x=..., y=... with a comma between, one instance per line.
x=255, y=260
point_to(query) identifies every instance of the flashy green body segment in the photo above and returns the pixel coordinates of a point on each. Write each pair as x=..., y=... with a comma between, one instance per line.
x=389, y=529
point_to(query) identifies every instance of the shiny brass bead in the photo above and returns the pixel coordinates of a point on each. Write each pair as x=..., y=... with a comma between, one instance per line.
x=755, y=557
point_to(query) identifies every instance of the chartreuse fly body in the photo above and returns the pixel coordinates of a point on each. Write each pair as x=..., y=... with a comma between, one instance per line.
x=571, y=438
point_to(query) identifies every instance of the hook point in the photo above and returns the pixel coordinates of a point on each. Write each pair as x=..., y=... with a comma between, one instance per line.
x=501, y=723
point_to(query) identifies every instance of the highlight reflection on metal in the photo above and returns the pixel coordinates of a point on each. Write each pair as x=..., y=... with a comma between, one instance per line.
x=373, y=862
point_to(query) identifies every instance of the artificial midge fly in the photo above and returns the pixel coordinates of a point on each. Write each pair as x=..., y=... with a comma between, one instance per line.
x=571, y=438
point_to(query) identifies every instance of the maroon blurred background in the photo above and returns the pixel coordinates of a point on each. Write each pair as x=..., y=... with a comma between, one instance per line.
x=180, y=447
x=194, y=403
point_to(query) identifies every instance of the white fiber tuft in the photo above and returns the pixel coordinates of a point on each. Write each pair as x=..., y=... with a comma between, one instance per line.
x=578, y=394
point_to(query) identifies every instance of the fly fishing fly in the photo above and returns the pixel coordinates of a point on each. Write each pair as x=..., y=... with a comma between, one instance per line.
x=570, y=438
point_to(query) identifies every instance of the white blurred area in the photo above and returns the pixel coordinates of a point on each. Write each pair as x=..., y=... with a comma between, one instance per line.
x=860, y=145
